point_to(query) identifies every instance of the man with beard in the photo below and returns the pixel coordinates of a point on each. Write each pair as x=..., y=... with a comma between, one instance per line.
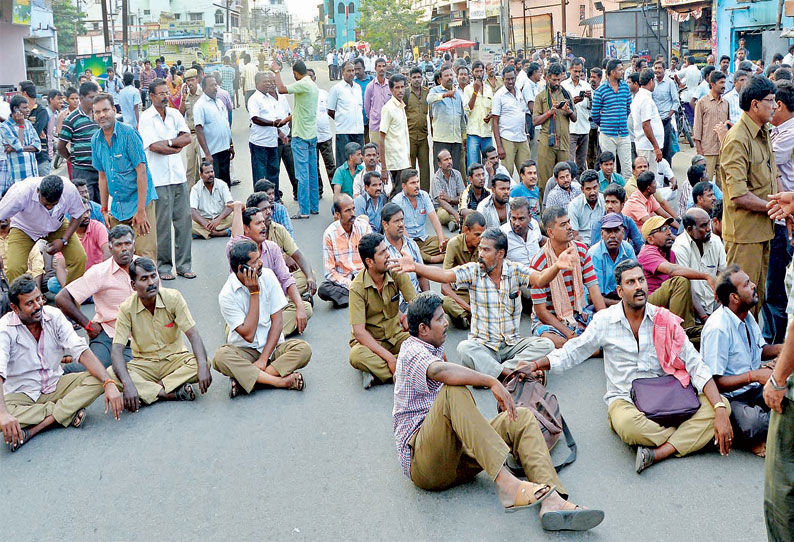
x=250, y=223
x=397, y=243
x=625, y=334
x=190, y=95
x=494, y=346
x=124, y=176
x=108, y=284
x=561, y=309
x=379, y=328
x=607, y=253
x=553, y=112
x=733, y=348
x=494, y=207
x=34, y=392
x=462, y=249
x=698, y=249
x=586, y=209
x=165, y=133
x=153, y=319
x=448, y=118
x=372, y=200
x=475, y=192
x=565, y=189
x=508, y=111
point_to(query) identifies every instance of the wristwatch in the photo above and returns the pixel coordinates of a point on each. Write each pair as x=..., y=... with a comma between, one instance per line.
x=64, y=241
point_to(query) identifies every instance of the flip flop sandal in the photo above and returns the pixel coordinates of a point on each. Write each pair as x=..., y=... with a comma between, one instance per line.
x=574, y=518
x=234, y=390
x=167, y=276
x=644, y=459
x=187, y=274
x=20, y=443
x=299, y=217
x=299, y=383
x=185, y=393
x=527, y=495
x=79, y=418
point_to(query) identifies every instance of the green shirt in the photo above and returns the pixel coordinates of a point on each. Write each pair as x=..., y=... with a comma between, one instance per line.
x=304, y=114
x=343, y=178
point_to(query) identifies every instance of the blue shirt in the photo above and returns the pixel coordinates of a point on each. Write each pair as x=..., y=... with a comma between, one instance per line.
x=363, y=84
x=611, y=109
x=731, y=347
x=365, y=205
x=665, y=96
x=95, y=212
x=281, y=216
x=118, y=162
x=532, y=196
x=714, y=187
x=213, y=117
x=415, y=219
x=129, y=97
x=604, y=265
x=632, y=234
x=616, y=178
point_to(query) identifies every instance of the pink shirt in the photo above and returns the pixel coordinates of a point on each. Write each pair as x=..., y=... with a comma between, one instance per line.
x=639, y=208
x=96, y=236
x=109, y=285
x=650, y=258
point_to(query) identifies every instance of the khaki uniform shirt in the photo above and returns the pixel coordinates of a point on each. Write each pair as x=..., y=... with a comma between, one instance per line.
x=561, y=121
x=416, y=110
x=747, y=164
x=379, y=310
x=190, y=101
x=279, y=235
x=458, y=254
x=155, y=336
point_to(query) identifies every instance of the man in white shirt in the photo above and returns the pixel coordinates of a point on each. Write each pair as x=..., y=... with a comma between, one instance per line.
x=789, y=58
x=508, y=116
x=531, y=89
x=255, y=352
x=210, y=205
x=165, y=133
x=648, y=128
x=263, y=137
x=248, y=75
x=690, y=76
x=213, y=133
x=371, y=163
x=580, y=91
x=345, y=106
x=732, y=97
x=524, y=239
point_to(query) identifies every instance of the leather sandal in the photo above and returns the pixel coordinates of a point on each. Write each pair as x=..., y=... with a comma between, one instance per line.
x=571, y=518
x=527, y=495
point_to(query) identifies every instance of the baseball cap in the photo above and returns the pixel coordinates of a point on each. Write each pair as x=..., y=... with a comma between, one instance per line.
x=654, y=223
x=611, y=220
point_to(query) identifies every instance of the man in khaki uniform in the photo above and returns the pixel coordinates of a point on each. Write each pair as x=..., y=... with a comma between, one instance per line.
x=747, y=167
x=553, y=113
x=378, y=329
x=416, y=112
x=190, y=95
x=462, y=249
x=153, y=319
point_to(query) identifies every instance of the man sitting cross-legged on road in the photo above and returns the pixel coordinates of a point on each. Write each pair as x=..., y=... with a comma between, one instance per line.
x=607, y=253
x=443, y=439
x=153, y=319
x=494, y=346
x=280, y=213
x=108, y=283
x=418, y=209
x=255, y=351
x=627, y=335
x=251, y=223
x=399, y=244
x=341, y=259
x=462, y=249
x=561, y=310
x=209, y=205
x=34, y=392
x=733, y=348
x=378, y=325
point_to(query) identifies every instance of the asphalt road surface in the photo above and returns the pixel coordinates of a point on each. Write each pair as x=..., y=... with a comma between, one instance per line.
x=322, y=464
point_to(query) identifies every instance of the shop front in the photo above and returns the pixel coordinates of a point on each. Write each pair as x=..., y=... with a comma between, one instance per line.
x=754, y=22
x=696, y=28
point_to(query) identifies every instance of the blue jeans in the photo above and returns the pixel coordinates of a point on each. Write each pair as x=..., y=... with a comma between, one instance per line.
x=475, y=150
x=304, y=153
x=264, y=163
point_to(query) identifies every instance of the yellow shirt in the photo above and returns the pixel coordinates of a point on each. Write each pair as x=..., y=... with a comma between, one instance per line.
x=279, y=235
x=482, y=108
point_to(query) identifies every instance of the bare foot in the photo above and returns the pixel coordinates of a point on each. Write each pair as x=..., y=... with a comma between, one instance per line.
x=759, y=449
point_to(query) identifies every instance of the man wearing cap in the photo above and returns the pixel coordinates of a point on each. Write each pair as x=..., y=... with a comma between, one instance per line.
x=190, y=95
x=607, y=253
x=669, y=284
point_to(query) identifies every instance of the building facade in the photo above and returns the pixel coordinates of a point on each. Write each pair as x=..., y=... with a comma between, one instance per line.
x=341, y=20
x=29, y=43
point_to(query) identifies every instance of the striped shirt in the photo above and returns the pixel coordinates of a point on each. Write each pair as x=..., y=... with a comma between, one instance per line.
x=496, y=312
x=611, y=109
x=341, y=259
x=589, y=278
x=78, y=129
x=227, y=78
x=414, y=393
x=21, y=164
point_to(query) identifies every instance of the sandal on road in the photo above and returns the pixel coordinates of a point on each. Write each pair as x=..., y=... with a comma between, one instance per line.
x=24, y=440
x=235, y=389
x=298, y=384
x=187, y=274
x=571, y=518
x=167, y=276
x=530, y=494
x=645, y=459
x=299, y=217
x=185, y=393
x=79, y=418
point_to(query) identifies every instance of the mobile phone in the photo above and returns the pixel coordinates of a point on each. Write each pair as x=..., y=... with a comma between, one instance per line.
x=583, y=94
x=245, y=268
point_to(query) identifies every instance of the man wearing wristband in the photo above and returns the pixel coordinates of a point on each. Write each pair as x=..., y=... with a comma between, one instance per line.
x=34, y=392
x=625, y=333
x=108, y=284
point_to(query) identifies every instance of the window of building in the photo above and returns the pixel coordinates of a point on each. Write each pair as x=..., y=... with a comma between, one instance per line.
x=146, y=12
x=235, y=20
x=340, y=8
x=493, y=33
x=195, y=16
x=219, y=16
x=177, y=16
x=351, y=8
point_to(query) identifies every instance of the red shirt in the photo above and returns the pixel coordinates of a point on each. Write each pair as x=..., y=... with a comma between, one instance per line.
x=650, y=258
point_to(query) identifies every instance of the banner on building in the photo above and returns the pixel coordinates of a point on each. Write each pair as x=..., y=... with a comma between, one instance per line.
x=21, y=12
x=492, y=8
x=97, y=63
x=476, y=9
x=620, y=49
x=532, y=32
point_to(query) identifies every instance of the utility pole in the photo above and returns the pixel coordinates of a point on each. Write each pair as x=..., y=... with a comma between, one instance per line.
x=125, y=36
x=105, y=29
x=564, y=31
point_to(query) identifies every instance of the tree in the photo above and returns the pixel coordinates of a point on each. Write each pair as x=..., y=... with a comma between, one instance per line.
x=68, y=20
x=388, y=24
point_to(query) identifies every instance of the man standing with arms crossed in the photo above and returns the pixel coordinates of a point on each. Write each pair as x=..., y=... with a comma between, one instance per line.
x=416, y=112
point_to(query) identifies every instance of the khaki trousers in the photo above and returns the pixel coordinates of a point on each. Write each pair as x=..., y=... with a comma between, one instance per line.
x=711, y=165
x=288, y=315
x=516, y=153
x=675, y=294
x=753, y=258
x=364, y=359
x=173, y=371
x=428, y=248
x=419, y=152
x=548, y=157
x=199, y=230
x=145, y=245
x=453, y=310
x=484, y=360
x=779, y=475
x=455, y=442
x=20, y=244
x=238, y=362
x=193, y=160
x=69, y=397
x=635, y=429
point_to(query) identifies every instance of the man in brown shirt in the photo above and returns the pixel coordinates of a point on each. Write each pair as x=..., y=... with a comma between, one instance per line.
x=462, y=249
x=190, y=95
x=416, y=112
x=711, y=110
x=553, y=113
x=747, y=167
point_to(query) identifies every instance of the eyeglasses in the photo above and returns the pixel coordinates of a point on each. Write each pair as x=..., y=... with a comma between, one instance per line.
x=770, y=100
x=665, y=229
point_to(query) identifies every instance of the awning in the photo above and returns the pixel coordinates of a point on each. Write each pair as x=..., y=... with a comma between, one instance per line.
x=684, y=4
x=184, y=41
x=592, y=21
x=453, y=24
x=42, y=53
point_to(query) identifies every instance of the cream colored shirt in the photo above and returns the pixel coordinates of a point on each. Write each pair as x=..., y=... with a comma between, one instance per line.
x=394, y=123
x=482, y=108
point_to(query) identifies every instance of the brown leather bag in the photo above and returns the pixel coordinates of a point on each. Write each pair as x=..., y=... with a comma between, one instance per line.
x=531, y=394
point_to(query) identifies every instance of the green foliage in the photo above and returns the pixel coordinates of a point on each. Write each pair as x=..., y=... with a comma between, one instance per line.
x=65, y=16
x=388, y=24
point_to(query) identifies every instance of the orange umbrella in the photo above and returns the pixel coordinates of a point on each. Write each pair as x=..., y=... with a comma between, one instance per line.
x=455, y=43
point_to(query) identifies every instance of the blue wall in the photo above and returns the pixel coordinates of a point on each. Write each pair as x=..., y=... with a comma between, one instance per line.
x=753, y=15
x=345, y=26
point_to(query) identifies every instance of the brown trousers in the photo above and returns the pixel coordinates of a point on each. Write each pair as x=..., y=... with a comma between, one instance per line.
x=753, y=258
x=419, y=153
x=145, y=245
x=238, y=362
x=548, y=157
x=364, y=359
x=429, y=247
x=63, y=403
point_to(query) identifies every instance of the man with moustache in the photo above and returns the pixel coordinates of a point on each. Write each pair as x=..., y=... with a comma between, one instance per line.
x=553, y=113
x=372, y=200
x=210, y=207
x=462, y=249
x=609, y=251
x=448, y=118
x=190, y=95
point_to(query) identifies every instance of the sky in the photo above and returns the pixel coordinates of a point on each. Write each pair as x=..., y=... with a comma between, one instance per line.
x=304, y=10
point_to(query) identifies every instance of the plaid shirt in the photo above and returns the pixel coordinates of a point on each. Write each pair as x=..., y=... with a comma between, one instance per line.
x=340, y=250
x=227, y=78
x=414, y=393
x=281, y=216
x=21, y=165
x=496, y=312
